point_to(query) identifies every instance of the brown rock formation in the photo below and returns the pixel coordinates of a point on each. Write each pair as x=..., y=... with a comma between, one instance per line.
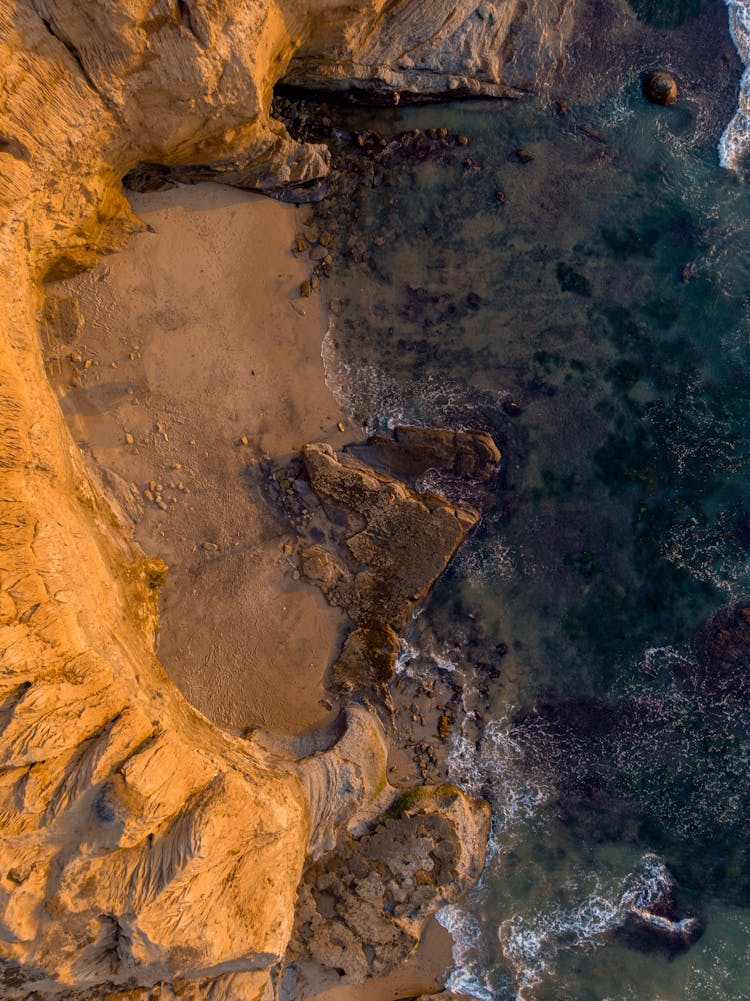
x=412, y=451
x=362, y=908
x=397, y=541
x=393, y=545
x=138, y=844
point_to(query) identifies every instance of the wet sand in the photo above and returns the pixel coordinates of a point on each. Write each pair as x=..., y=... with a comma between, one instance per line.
x=196, y=373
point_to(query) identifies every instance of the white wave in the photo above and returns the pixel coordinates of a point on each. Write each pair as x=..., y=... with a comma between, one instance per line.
x=363, y=388
x=465, y=930
x=419, y=663
x=337, y=375
x=657, y=660
x=703, y=550
x=531, y=942
x=407, y=654
x=735, y=142
x=497, y=768
x=486, y=562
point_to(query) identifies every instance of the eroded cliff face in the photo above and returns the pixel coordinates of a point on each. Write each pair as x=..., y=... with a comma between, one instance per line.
x=422, y=49
x=138, y=844
x=121, y=856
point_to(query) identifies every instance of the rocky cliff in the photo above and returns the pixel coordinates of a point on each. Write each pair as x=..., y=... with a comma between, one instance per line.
x=139, y=845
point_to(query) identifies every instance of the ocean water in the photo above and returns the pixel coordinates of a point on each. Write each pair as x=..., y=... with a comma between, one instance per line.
x=606, y=295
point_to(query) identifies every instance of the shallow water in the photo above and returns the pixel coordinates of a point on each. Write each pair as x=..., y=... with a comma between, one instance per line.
x=607, y=295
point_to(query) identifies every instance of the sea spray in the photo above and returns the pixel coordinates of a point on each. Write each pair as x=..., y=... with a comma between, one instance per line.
x=735, y=140
x=531, y=942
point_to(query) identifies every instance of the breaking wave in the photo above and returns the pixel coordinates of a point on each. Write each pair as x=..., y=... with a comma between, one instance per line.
x=735, y=141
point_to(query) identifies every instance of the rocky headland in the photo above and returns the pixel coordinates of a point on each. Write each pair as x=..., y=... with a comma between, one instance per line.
x=146, y=852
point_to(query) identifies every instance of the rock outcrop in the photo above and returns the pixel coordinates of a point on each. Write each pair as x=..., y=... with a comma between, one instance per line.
x=362, y=908
x=393, y=544
x=397, y=541
x=139, y=845
x=412, y=451
x=443, y=48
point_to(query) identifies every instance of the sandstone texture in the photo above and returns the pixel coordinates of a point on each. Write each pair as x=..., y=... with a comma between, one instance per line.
x=438, y=48
x=362, y=908
x=143, y=852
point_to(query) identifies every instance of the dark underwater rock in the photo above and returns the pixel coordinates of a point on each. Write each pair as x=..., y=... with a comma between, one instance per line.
x=722, y=653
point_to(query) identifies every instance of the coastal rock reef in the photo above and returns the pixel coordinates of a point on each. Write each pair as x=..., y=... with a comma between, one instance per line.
x=144, y=852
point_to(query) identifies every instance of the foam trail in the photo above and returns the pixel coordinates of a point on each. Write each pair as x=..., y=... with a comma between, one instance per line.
x=735, y=141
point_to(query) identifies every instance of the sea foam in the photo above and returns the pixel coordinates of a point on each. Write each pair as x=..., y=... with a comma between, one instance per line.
x=735, y=141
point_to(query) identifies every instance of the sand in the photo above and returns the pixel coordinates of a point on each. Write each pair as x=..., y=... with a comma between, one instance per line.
x=199, y=373
x=196, y=374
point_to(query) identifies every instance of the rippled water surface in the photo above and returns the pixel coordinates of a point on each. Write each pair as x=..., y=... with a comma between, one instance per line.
x=606, y=294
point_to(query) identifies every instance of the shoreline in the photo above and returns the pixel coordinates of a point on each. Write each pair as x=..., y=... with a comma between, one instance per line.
x=99, y=741
x=142, y=411
x=188, y=381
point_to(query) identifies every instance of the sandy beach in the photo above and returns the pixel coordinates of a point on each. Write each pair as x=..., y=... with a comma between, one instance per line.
x=196, y=373
x=190, y=380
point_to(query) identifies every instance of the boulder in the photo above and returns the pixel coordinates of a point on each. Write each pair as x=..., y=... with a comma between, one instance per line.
x=660, y=87
x=367, y=660
x=649, y=932
x=362, y=908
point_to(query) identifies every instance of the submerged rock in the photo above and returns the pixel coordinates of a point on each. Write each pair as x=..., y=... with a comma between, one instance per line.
x=722, y=653
x=651, y=917
x=524, y=155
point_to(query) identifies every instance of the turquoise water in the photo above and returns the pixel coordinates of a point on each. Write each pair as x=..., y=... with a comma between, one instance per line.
x=607, y=295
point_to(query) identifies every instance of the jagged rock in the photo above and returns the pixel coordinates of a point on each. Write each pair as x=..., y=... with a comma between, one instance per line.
x=396, y=542
x=362, y=907
x=412, y=451
x=642, y=929
x=651, y=919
